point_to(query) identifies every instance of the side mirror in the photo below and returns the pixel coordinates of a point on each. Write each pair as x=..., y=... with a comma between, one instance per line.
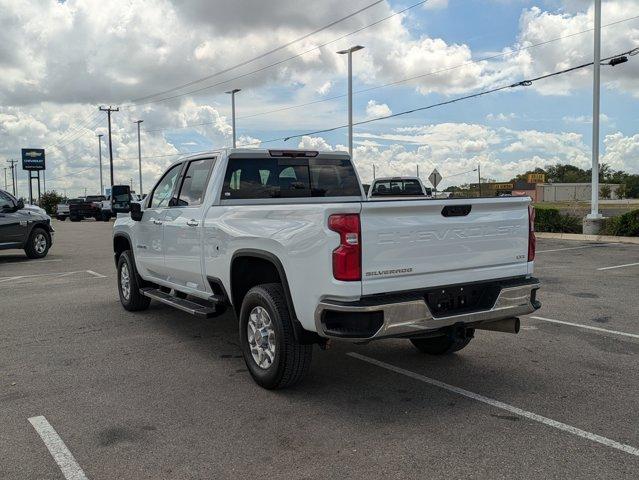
x=20, y=205
x=120, y=199
x=136, y=211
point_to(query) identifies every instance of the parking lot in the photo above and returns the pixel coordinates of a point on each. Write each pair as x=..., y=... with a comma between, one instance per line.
x=159, y=394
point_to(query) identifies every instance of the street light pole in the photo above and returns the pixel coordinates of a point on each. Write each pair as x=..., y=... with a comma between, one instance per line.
x=100, y=161
x=139, y=156
x=349, y=52
x=596, y=85
x=109, y=110
x=232, y=93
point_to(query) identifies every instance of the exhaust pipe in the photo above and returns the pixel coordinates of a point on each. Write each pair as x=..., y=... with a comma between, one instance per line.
x=507, y=325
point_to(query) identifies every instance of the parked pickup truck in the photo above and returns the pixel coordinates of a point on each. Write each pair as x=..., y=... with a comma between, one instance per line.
x=89, y=207
x=398, y=187
x=288, y=241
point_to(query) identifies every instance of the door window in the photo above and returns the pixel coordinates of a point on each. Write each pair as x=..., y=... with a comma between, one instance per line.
x=164, y=189
x=194, y=184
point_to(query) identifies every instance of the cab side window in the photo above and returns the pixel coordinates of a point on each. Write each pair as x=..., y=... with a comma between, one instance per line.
x=164, y=189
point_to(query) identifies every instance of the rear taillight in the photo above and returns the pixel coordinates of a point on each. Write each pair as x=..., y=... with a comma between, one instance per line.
x=532, y=240
x=347, y=258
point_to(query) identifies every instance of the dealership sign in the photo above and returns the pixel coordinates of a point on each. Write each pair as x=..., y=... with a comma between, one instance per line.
x=33, y=159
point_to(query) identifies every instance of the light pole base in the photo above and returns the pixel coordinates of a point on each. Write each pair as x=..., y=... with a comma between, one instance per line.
x=593, y=225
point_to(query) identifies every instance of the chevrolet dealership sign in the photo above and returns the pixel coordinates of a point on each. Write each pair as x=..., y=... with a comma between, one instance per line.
x=33, y=159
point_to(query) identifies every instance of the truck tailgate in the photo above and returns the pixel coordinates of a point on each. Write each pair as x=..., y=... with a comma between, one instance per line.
x=415, y=244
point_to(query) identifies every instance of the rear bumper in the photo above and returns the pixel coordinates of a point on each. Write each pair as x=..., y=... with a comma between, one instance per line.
x=408, y=315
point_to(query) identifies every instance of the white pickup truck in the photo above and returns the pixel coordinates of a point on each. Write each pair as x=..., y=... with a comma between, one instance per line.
x=288, y=241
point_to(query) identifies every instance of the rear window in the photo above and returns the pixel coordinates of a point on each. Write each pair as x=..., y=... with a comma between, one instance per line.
x=397, y=187
x=289, y=178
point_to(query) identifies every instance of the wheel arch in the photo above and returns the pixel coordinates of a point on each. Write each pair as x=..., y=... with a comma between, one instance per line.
x=271, y=270
x=121, y=242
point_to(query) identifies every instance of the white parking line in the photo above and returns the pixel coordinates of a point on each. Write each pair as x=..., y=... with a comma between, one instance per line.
x=58, y=450
x=619, y=266
x=57, y=274
x=95, y=274
x=504, y=406
x=31, y=262
x=576, y=248
x=588, y=327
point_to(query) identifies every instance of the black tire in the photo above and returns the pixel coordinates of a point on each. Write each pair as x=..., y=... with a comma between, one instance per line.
x=62, y=219
x=38, y=244
x=75, y=219
x=443, y=345
x=130, y=297
x=291, y=361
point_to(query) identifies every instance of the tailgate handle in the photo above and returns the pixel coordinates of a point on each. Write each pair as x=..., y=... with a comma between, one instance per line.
x=456, y=210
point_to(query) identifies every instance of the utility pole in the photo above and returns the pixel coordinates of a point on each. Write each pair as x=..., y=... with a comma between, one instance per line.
x=373, y=171
x=349, y=52
x=417, y=170
x=14, y=176
x=232, y=93
x=140, y=152
x=479, y=177
x=109, y=110
x=5, y=178
x=100, y=161
x=596, y=85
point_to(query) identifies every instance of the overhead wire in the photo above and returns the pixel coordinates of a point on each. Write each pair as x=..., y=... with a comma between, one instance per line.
x=265, y=54
x=403, y=80
x=317, y=47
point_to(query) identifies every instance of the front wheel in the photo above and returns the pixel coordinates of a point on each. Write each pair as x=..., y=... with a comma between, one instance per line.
x=445, y=344
x=129, y=284
x=273, y=356
x=38, y=244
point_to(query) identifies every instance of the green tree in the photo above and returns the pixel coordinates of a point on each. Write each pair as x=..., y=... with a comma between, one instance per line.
x=49, y=200
x=605, y=191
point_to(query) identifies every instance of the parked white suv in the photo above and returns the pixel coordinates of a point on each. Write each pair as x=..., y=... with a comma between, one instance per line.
x=288, y=240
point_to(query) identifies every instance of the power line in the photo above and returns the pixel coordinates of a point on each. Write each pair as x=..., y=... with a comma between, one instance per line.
x=405, y=80
x=523, y=83
x=278, y=62
x=263, y=55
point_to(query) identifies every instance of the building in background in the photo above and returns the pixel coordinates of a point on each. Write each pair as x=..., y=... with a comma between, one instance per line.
x=571, y=192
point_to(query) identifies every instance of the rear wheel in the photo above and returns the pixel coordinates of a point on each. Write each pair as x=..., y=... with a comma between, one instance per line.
x=273, y=356
x=445, y=344
x=38, y=244
x=129, y=284
x=75, y=219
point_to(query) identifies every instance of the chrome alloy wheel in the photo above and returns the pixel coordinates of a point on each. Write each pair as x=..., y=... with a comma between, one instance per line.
x=261, y=337
x=125, y=281
x=40, y=243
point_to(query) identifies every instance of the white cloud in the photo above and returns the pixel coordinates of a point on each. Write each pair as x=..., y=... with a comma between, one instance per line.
x=501, y=117
x=374, y=109
x=435, y=4
x=585, y=119
x=324, y=88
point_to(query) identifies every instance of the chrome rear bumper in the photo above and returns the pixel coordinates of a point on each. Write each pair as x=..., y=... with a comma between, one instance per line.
x=413, y=317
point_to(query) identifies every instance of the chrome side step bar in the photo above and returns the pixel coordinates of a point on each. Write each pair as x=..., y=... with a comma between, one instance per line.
x=185, y=305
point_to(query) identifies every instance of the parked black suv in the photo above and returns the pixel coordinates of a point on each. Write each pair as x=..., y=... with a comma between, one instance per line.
x=24, y=227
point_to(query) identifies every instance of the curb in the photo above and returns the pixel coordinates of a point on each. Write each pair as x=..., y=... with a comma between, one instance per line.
x=588, y=238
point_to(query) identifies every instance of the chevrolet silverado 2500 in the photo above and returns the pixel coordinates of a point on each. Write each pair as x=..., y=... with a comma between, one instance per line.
x=288, y=241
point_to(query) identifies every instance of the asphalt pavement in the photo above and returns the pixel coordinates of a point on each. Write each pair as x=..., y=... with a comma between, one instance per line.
x=159, y=394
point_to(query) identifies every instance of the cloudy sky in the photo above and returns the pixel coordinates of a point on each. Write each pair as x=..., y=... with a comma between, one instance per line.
x=169, y=62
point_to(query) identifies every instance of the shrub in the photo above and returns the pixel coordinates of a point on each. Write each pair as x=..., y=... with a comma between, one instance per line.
x=552, y=220
x=49, y=200
x=626, y=225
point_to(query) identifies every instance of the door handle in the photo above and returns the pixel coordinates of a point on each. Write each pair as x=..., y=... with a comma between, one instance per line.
x=157, y=222
x=192, y=223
